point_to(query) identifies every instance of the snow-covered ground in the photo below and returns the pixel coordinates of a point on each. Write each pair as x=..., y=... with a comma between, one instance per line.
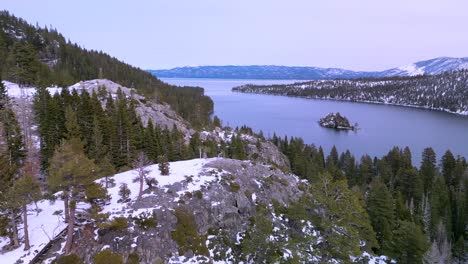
x=179, y=172
x=15, y=91
x=45, y=225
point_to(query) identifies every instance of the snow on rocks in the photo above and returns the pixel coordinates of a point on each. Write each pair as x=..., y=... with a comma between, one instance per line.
x=179, y=171
x=47, y=222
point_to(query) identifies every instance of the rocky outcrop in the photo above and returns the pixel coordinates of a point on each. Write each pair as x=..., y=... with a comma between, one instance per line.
x=160, y=113
x=227, y=203
x=257, y=149
x=336, y=121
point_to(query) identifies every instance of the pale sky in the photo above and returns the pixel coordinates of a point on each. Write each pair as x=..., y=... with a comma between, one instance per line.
x=350, y=34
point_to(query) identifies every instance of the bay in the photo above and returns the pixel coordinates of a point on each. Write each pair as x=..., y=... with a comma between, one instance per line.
x=381, y=126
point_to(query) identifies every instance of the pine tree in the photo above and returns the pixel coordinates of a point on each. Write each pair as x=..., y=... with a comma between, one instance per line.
x=163, y=165
x=365, y=170
x=381, y=212
x=71, y=124
x=96, y=147
x=440, y=206
x=3, y=95
x=22, y=64
x=124, y=193
x=344, y=221
x=71, y=172
x=13, y=137
x=409, y=243
x=25, y=190
x=448, y=165
x=332, y=159
x=428, y=168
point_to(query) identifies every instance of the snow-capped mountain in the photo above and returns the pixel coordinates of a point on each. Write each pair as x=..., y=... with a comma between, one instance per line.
x=430, y=67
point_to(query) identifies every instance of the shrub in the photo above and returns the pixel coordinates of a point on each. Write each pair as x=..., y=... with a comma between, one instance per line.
x=133, y=259
x=146, y=220
x=189, y=179
x=118, y=224
x=69, y=259
x=255, y=156
x=108, y=257
x=234, y=187
x=124, y=193
x=151, y=182
x=199, y=194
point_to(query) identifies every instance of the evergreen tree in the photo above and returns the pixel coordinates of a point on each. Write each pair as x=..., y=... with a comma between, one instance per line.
x=409, y=243
x=13, y=138
x=344, y=221
x=381, y=212
x=428, y=168
x=22, y=64
x=71, y=124
x=71, y=172
x=440, y=206
x=448, y=165
x=365, y=170
x=3, y=95
x=24, y=191
x=163, y=165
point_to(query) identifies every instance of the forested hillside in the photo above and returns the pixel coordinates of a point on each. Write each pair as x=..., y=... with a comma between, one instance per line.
x=419, y=214
x=216, y=194
x=447, y=91
x=31, y=55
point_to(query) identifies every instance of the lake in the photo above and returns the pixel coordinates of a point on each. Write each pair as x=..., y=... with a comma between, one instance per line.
x=381, y=126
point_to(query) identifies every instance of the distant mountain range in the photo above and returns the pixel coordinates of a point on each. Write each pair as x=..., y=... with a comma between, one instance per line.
x=428, y=67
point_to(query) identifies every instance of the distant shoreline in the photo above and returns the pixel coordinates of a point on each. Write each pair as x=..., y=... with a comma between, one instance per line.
x=462, y=114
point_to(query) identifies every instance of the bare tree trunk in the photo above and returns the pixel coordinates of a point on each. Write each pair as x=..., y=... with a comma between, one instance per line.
x=67, y=212
x=140, y=193
x=70, y=228
x=140, y=164
x=14, y=229
x=26, y=231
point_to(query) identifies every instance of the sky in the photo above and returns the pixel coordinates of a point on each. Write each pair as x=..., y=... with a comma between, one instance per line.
x=351, y=34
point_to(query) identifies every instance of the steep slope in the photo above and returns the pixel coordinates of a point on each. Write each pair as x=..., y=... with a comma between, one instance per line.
x=160, y=113
x=220, y=202
x=35, y=56
x=429, y=67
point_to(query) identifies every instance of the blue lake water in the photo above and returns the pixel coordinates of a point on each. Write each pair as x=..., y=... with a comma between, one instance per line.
x=382, y=126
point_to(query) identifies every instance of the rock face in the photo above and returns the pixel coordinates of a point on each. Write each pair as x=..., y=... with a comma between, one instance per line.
x=257, y=149
x=160, y=113
x=336, y=121
x=226, y=201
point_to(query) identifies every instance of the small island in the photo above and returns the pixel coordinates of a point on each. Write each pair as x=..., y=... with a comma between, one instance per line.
x=337, y=121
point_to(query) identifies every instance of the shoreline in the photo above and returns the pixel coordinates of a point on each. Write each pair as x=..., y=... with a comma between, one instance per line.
x=463, y=114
